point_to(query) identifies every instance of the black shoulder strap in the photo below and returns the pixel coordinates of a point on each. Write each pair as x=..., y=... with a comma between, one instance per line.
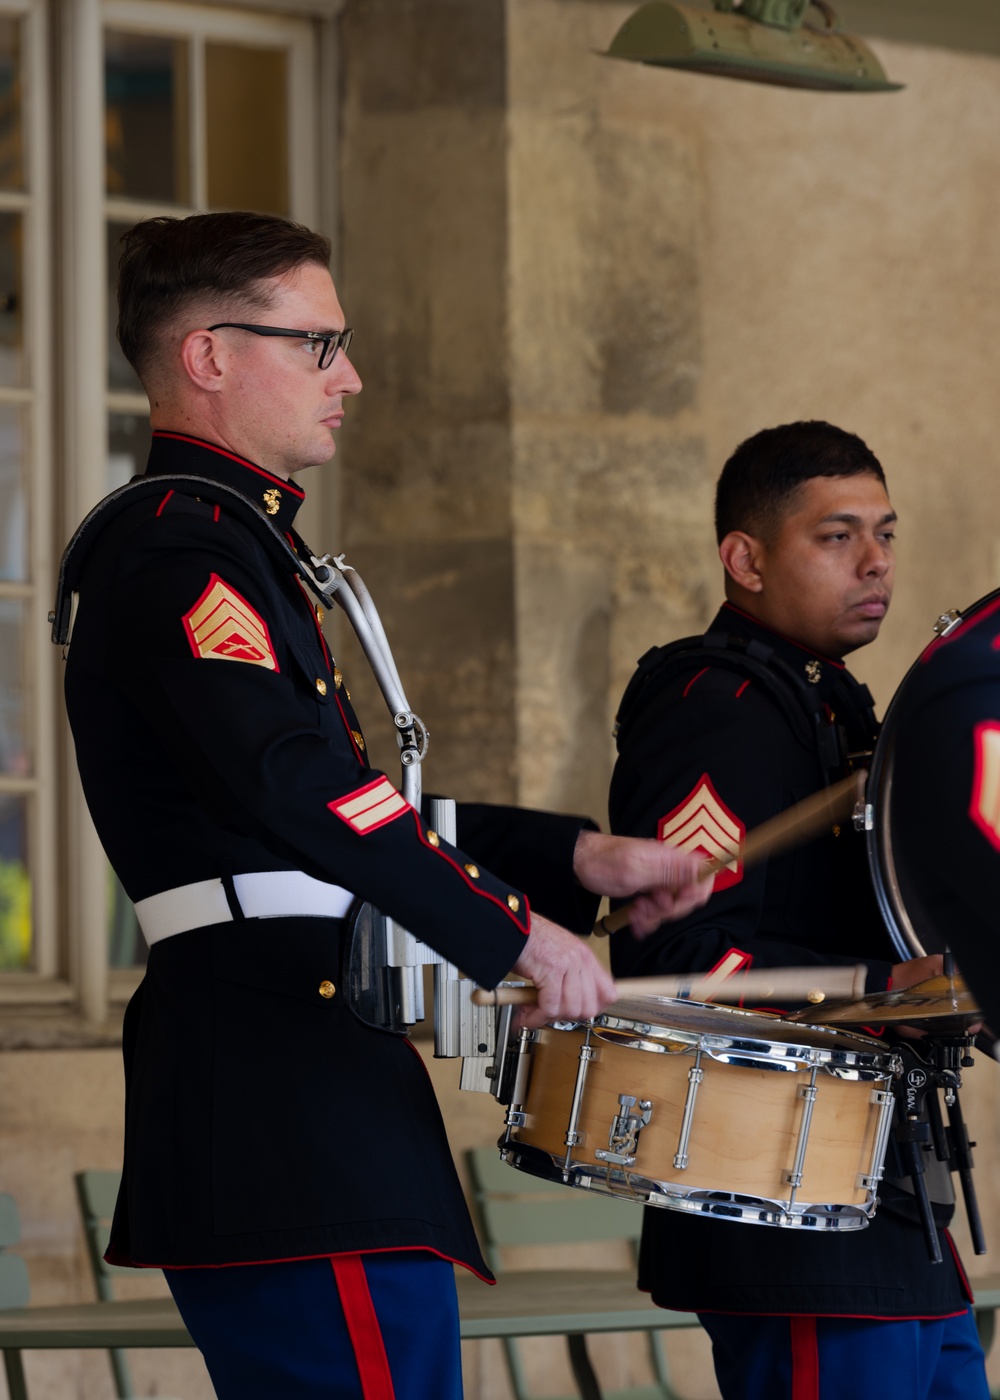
x=78, y=550
x=797, y=700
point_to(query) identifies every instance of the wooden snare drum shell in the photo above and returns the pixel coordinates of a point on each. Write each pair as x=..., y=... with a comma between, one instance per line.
x=745, y=1127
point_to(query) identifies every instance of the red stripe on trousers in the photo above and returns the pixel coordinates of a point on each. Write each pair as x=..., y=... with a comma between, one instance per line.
x=363, y=1328
x=805, y=1359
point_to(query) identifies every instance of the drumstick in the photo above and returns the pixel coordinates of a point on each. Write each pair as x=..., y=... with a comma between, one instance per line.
x=789, y=828
x=813, y=984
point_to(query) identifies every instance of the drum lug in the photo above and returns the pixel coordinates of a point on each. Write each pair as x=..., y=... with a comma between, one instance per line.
x=623, y=1138
x=808, y=1094
x=515, y=1118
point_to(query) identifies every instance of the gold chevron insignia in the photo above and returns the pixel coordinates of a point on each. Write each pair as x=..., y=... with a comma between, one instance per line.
x=704, y=825
x=222, y=626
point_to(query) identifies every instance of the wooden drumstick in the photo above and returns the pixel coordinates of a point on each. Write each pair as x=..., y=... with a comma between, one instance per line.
x=812, y=984
x=789, y=828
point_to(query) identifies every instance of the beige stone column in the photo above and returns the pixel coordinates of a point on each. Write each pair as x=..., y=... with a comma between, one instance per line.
x=426, y=485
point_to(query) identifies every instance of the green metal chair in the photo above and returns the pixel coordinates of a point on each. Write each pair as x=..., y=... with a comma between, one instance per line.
x=13, y=1288
x=513, y=1208
x=96, y=1193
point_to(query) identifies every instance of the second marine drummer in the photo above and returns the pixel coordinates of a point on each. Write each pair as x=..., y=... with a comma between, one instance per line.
x=716, y=736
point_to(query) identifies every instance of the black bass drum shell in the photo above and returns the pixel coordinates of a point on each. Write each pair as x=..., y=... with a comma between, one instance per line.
x=890, y=855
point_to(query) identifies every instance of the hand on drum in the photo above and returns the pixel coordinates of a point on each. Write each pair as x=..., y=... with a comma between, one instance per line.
x=572, y=984
x=664, y=880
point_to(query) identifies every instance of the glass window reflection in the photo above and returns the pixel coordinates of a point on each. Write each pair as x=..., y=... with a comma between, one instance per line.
x=14, y=561
x=15, y=885
x=122, y=378
x=246, y=99
x=129, y=437
x=145, y=117
x=15, y=755
x=11, y=138
x=11, y=300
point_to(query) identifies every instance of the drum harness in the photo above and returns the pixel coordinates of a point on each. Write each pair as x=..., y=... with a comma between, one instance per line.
x=935, y=1062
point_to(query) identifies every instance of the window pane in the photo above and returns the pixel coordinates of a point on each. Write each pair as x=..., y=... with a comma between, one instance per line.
x=11, y=301
x=15, y=887
x=15, y=756
x=126, y=945
x=11, y=140
x=247, y=119
x=145, y=121
x=129, y=437
x=13, y=497
x=121, y=376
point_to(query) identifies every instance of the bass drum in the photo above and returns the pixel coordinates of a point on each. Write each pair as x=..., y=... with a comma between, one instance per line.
x=910, y=926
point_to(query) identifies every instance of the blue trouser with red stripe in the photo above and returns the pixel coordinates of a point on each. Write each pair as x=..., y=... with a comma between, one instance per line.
x=355, y=1327
x=846, y=1358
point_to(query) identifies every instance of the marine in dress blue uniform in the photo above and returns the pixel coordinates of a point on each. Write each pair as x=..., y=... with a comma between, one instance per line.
x=284, y=1162
x=707, y=756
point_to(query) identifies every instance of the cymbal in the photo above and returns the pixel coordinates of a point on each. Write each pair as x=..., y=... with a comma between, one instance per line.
x=936, y=999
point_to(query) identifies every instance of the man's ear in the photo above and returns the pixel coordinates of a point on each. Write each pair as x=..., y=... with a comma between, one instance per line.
x=203, y=360
x=742, y=558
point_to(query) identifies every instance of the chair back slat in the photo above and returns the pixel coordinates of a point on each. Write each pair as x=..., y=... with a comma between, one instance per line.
x=10, y=1221
x=517, y=1208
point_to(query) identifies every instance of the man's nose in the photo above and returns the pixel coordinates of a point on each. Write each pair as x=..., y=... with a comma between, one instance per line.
x=342, y=377
x=875, y=560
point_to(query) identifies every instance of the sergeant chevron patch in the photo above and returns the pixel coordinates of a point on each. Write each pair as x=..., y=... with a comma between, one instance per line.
x=222, y=626
x=370, y=807
x=704, y=825
x=984, y=807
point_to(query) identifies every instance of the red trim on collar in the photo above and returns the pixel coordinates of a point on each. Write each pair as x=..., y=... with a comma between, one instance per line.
x=809, y=651
x=281, y=481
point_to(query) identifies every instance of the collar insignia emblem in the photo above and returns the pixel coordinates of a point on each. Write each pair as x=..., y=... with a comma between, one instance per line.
x=984, y=808
x=272, y=500
x=704, y=825
x=814, y=672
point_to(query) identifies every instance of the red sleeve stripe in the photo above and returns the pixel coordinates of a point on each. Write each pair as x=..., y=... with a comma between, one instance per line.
x=370, y=807
x=162, y=505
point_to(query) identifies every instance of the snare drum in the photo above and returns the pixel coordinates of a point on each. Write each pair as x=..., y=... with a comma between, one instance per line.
x=706, y=1109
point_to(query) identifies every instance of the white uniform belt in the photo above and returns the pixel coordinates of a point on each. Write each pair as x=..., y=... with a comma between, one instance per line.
x=265, y=894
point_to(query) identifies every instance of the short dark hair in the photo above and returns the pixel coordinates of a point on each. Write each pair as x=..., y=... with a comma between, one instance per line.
x=169, y=264
x=765, y=472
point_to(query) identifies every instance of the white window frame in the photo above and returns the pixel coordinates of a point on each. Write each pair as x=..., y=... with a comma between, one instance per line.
x=69, y=869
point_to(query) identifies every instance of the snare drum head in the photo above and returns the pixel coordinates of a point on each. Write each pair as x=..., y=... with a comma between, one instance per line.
x=914, y=929
x=666, y=1020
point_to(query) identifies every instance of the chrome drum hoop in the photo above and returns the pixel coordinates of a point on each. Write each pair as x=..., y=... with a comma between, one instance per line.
x=753, y=1040
x=717, y=1205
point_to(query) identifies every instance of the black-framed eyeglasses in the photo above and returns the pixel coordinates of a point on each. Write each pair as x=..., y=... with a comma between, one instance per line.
x=331, y=341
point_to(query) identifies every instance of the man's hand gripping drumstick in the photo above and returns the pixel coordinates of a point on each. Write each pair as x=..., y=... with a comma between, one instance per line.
x=789, y=828
x=571, y=983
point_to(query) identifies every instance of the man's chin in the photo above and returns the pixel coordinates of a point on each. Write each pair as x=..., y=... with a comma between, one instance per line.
x=316, y=458
x=859, y=634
